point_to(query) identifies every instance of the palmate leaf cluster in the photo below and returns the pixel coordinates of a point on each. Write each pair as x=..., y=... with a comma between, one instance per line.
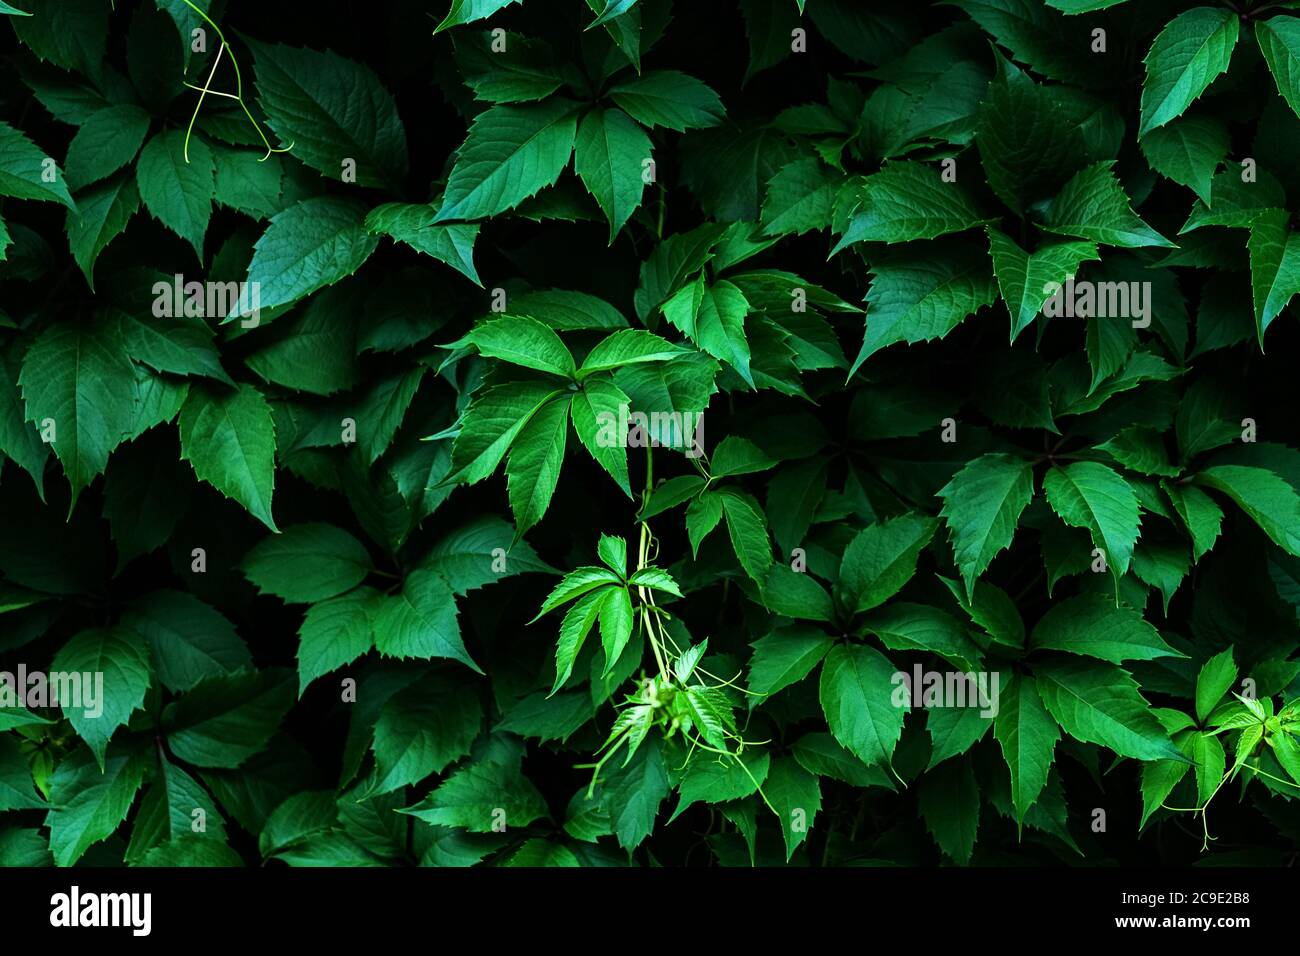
x=431, y=560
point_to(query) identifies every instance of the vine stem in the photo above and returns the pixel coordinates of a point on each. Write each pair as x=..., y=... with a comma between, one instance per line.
x=643, y=551
x=238, y=95
x=199, y=105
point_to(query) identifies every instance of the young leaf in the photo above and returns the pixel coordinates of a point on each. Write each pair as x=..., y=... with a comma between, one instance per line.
x=307, y=563
x=982, y=505
x=334, y=113
x=1089, y=495
x=1192, y=49
x=229, y=439
x=857, y=697
x=610, y=155
x=510, y=154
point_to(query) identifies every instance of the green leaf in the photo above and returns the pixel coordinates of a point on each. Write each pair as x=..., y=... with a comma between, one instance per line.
x=420, y=621
x=1094, y=206
x=982, y=506
x=633, y=795
x=467, y=11
x=1092, y=496
x=422, y=729
x=79, y=389
x=1274, y=266
x=906, y=201
x=480, y=552
x=857, y=696
x=1028, y=143
x=1027, y=280
x=820, y=754
x=511, y=153
x=1287, y=752
x=882, y=558
x=1237, y=204
x=786, y=656
x=109, y=673
x=107, y=141
x=100, y=217
x=1099, y=703
x=307, y=562
x=748, y=531
x=616, y=620
x=610, y=156
x=1216, y=677
x=796, y=796
x=334, y=633
x=414, y=225
x=223, y=721
x=248, y=181
x=800, y=198
x=904, y=626
x=916, y=298
x=949, y=800
x=954, y=730
x=382, y=410
x=1159, y=777
x=523, y=341
x=334, y=113
x=1091, y=624
x=317, y=352
x=574, y=628
x=713, y=317
x=564, y=310
x=189, y=640
x=576, y=583
x=1270, y=501
x=670, y=99
x=23, y=168
x=176, y=185
x=595, y=412
x=307, y=247
x=702, y=516
x=523, y=71
x=1210, y=762
x=1162, y=566
x=1036, y=35
x=1192, y=49
x=716, y=779
x=178, y=347
x=992, y=609
x=534, y=466
x=229, y=439
x=1141, y=449
x=738, y=456
x=1188, y=151
x=1200, y=515
x=16, y=786
x=1279, y=41
x=548, y=718
x=477, y=795
x=88, y=801
x=167, y=815
x=628, y=347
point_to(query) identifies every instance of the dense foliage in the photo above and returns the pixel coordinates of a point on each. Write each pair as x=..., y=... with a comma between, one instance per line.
x=542, y=433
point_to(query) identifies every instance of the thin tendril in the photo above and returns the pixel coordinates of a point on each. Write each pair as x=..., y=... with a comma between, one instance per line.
x=238, y=95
